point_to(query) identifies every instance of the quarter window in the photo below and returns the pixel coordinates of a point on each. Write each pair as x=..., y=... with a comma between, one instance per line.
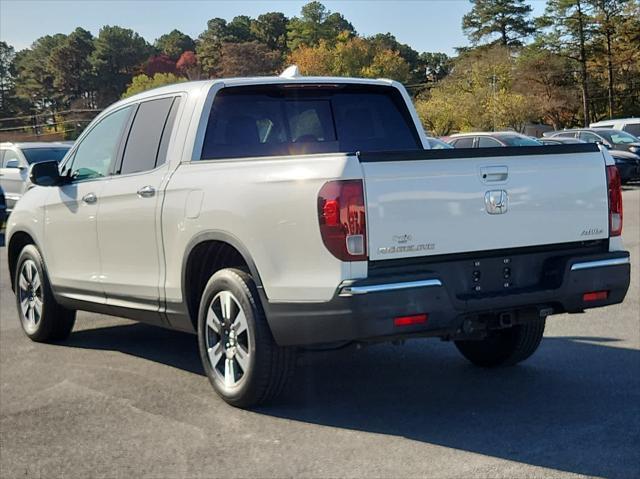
x=143, y=143
x=97, y=151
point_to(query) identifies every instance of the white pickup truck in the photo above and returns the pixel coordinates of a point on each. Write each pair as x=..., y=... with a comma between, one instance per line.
x=271, y=213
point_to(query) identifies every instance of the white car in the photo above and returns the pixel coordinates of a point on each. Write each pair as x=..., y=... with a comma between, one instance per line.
x=630, y=125
x=269, y=213
x=15, y=159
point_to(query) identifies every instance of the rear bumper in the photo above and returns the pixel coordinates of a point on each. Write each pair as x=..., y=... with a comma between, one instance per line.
x=364, y=310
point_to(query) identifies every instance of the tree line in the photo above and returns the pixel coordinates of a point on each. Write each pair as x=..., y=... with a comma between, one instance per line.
x=577, y=63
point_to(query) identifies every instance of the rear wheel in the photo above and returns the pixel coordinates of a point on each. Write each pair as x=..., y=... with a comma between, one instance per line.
x=240, y=357
x=504, y=347
x=42, y=318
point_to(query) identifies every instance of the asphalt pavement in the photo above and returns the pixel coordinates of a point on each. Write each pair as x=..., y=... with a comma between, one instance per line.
x=121, y=399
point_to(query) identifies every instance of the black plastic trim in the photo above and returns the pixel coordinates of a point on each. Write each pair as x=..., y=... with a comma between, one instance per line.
x=461, y=153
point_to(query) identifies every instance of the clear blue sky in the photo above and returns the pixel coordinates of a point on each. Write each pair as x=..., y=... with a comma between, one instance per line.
x=426, y=25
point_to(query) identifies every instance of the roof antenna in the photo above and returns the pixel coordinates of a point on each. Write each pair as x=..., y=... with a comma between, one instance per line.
x=291, y=72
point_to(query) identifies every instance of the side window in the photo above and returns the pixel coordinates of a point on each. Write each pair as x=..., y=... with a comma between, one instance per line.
x=98, y=150
x=466, y=142
x=589, y=137
x=8, y=156
x=486, y=142
x=143, y=143
x=633, y=128
x=569, y=134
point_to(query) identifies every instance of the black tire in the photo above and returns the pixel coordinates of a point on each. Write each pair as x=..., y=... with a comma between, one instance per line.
x=504, y=347
x=44, y=319
x=268, y=366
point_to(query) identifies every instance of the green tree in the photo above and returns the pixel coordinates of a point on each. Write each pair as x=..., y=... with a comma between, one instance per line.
x=174, y=44
x=118, y=55
x=239, y=30
x=71, y=68
x=567, y=30
x=248, y=59
x=34, y=78
x=316, y=23
x=608, y=16
x=209, y=45
x=434, y=66
x=479, y=94
x=7, y=56
x=141, y=83
x=271, y=30
x=509, y=20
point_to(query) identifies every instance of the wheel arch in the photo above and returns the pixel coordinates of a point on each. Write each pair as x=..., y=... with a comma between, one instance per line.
x=18, y=240
x=220, y=250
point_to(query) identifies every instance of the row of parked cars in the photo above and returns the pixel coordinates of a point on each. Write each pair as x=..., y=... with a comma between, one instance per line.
x=618, y=136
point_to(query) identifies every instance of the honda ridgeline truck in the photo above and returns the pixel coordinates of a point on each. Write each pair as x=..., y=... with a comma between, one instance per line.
x=266, y=214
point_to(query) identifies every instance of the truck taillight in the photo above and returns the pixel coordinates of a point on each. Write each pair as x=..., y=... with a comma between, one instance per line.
x=342, y=217
x=615, y=201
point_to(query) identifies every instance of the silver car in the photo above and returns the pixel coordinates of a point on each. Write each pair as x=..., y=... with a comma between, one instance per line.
x=15, y=159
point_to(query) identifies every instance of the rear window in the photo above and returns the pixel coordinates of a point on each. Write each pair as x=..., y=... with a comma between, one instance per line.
x=284, y=120
x=36, y=155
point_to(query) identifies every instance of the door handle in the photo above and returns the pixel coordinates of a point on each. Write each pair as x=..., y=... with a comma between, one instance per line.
x=90, y=198
x=494, y=173
x=146, y=191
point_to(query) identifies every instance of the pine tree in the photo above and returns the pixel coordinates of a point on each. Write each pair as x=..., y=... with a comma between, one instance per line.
x=508, y=19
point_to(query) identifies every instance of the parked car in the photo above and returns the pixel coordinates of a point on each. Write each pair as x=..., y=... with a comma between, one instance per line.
x=15, y=159
x=611, y=138
x=493, y=139
x=630, y=125
x=437, y=144
x=624, y=147
x=236, y=209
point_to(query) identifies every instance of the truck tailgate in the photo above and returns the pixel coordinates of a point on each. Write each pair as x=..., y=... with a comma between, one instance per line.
x=452, y=201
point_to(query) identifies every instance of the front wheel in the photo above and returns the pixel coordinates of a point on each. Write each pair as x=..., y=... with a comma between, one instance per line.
x=42, y=318
x=240, y=357
x=504, y=347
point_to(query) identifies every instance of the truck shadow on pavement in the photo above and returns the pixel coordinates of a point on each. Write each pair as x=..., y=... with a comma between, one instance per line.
x=574, y=406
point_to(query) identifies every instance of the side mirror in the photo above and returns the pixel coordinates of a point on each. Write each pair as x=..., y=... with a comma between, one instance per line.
x=46, y=173
x=13, y=163
x=606, y=145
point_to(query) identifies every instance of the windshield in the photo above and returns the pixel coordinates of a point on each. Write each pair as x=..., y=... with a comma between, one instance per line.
x=619, y=137
x=517, y=140
x=36, y=155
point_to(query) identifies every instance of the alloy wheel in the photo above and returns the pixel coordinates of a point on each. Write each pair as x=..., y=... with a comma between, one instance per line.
x=227, y=339
x=30, y=295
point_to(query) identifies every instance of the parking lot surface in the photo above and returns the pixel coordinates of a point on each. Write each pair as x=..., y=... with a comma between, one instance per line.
x=121, y=399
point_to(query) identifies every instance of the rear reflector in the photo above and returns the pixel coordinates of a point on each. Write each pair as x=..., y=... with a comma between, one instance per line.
x=409, y=320
x=615, y=201
x=595, y=296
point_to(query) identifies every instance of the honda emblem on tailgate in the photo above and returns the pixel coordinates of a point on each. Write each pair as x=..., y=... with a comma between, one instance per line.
x=496, y=202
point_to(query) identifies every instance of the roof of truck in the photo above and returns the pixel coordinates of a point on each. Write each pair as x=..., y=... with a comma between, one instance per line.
x=192, y=86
